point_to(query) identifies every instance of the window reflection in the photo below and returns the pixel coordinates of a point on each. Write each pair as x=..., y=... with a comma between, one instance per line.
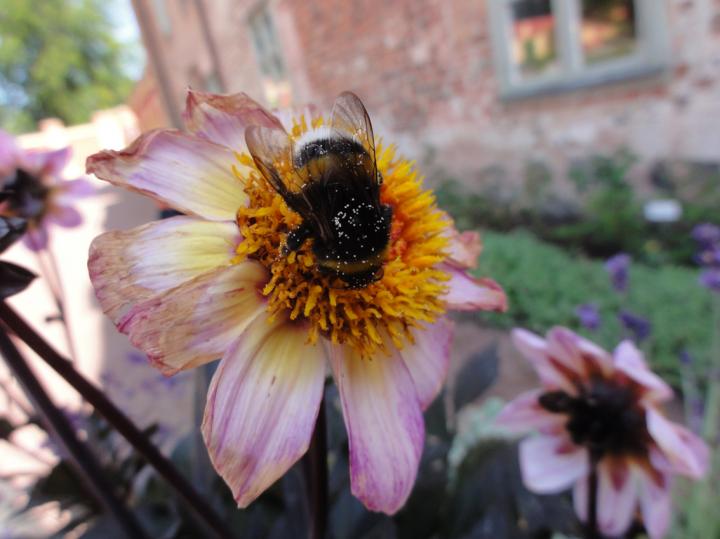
x=608, y=29
x=534, y=49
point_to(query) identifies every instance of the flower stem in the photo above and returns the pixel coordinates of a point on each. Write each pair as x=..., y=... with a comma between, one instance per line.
x=62, y=304
x=82, y=460
x=315, y=467
x=51, y=273
x=591, y=526
x=204, y=514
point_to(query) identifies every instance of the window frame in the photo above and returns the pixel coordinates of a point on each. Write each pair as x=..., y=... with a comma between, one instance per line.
x=270, y=60
x=650, y=57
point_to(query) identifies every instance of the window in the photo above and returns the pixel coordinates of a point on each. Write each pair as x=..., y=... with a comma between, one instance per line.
x=552, y=45
x=270, y=59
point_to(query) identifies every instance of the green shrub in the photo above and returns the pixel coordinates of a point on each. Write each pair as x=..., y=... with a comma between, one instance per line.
x=545, y=285
x=601, y=214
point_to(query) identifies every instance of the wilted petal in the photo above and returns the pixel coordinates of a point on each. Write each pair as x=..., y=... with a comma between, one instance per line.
x=465, y=248
x=617, y=496
x=65, y=216
x=199, y=320
x=466, y=293
x=262, y=406
x=222, y=119
x=629, y=360
x=524, y=413
x=428, y=359
x=551, y=464
x=655, y=503
x=686, y=453
x=130, y=266
x=190, y=174
x=385, y=426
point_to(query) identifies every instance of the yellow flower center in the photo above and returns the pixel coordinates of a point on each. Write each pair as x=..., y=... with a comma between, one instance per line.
x=410, y=290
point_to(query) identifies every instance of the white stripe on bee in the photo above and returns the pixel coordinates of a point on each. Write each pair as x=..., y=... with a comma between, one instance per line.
x=324, y=132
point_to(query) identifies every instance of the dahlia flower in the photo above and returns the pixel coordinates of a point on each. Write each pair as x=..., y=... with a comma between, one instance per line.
x=598, y=409
x=31, y=189
x=217, y=283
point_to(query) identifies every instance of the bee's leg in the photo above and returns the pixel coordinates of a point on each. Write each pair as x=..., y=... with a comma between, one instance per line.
x=296, y=238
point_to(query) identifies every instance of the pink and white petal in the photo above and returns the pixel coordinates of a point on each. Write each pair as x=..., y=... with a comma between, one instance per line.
x=551, y=464
x=465, y=248
x=685, y=452
x=580, y=498
x=50, y=162
x=262, y=406
x=71, y=190
x=9, y=153
x=289, y=116
x=577, y=353
x=130, y=266
x=630, y=361
x=524, y=413
x=65, y=216
x=617, y=496
x=655, y=503
x=188, y=173
x=222, y=119
x=428, y=359
x=36, y=238
x=535, y=349
x=466, y=293
x=198, y=321
x=385, y=426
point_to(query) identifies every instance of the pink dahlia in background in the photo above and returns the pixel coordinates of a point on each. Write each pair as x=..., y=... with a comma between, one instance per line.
x=245, y=278
x=596, y=407
x=31, y=188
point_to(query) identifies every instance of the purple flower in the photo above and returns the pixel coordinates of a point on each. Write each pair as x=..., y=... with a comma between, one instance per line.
x=31, y=188
x=706, y=234
x=618, y=267
x=638, y=326
x=686, y=358
x=709, y=256
x=711, y=279
x=589, y=316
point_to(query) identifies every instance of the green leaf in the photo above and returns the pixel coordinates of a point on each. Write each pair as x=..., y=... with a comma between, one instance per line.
x=13, y=279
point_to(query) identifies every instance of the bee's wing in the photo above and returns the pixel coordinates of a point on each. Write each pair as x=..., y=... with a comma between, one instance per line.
x=271, y=148
x=349, y=117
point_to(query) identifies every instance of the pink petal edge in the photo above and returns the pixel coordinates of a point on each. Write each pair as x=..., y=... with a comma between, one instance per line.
x=466, y=293
x=262, y=406
x=428, y=359
x=385, y=427
x=222, y=119
x=188, y=173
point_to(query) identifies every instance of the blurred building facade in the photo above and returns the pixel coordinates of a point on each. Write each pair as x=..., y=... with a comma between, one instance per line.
x=472, y=89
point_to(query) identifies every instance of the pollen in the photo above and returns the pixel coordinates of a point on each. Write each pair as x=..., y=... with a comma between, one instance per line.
x=408, y=294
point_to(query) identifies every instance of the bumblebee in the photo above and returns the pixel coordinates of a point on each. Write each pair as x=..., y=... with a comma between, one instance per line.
x=329, y=177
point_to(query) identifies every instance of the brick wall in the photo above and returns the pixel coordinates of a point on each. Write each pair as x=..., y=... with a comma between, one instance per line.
x=424, y=69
